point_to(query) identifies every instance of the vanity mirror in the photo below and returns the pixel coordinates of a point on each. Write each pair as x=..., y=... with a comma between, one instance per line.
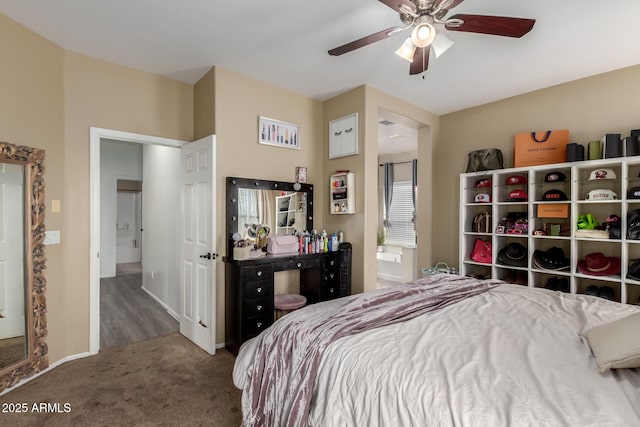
x=23, y=326
x=256, y=206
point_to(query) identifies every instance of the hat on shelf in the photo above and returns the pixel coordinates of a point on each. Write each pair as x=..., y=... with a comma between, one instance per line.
x=591, y=233
x=482, y=198
x=551, y=259
x=555, y=176
x=514, y=255
x=603, y=173
x=517, y=196
x=597, y=264
x=516, y=179
x=601, y=194
x=633, y=193
x=554, y=195
x=483, y=183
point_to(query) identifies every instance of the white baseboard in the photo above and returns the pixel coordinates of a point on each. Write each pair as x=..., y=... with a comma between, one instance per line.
x=52, y=366
x=171, y=312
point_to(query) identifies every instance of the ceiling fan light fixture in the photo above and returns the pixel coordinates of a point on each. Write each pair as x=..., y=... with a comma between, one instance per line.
x=423, y=34
x=407, y=50
x=441, y=44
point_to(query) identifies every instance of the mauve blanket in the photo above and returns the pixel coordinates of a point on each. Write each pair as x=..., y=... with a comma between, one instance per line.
x=281, y=377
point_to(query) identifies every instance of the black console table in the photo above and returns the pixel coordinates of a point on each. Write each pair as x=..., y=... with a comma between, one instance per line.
x=249, y=288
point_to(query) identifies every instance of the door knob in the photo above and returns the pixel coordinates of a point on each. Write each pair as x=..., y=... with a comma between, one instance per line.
x=209, y=255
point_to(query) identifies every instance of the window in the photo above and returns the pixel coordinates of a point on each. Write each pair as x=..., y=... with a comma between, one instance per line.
x=402, y=230
x=247, y=207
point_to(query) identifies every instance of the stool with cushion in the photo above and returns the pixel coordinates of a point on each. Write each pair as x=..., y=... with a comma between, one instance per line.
x=285, y=303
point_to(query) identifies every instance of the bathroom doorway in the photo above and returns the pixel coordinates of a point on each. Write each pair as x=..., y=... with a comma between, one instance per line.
x=396, y=258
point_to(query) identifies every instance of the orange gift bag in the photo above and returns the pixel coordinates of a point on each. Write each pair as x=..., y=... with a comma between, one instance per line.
x=540, y=148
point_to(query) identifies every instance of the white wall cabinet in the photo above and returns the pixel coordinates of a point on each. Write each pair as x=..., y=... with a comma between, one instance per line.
x=342, y=193
x=343, y=136
x=577, y=187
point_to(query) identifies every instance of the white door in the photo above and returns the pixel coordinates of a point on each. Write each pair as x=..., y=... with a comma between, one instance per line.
x=11, y=251
x=197, y=243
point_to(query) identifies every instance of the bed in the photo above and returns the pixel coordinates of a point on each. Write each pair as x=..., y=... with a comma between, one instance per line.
x=493, y=354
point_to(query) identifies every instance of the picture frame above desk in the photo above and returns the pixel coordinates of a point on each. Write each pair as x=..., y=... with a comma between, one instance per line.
x=278, y=133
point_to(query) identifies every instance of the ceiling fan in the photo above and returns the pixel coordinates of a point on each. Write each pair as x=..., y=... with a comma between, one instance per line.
x=421, y=15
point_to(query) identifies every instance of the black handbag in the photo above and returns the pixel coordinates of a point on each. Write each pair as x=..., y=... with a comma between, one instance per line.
x=612, y=225
x=633, y=224
x=634, y=270
x=485, y=160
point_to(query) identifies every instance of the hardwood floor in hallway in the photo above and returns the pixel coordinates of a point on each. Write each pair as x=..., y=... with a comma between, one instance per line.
x=127, y=313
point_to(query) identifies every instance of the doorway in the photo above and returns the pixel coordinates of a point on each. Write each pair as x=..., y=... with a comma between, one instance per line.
x=97, y=137
x=396, y=258
x=133, y=306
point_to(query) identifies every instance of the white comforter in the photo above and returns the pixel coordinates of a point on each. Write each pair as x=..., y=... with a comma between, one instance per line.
x=511, y=356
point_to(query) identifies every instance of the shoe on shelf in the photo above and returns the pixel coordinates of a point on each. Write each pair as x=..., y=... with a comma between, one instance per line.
x=521, y=278
x=552, y=284
x=606, y=292
x=592, y=290
x=563, y=284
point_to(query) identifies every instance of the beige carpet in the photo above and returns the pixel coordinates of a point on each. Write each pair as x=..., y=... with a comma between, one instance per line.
x=166, y=381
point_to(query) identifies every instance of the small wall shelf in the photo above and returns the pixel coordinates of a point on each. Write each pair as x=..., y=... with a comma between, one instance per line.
x=342, y=193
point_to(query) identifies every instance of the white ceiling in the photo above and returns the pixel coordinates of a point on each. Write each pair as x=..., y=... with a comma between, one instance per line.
x=285, y=42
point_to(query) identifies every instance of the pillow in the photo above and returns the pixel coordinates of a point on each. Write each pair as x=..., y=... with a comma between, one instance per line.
x=616, y=344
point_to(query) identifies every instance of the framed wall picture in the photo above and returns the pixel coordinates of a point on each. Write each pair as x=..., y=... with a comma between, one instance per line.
x=278, y=133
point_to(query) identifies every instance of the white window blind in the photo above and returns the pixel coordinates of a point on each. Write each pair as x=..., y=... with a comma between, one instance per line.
x=402, y=231
x=247, y=207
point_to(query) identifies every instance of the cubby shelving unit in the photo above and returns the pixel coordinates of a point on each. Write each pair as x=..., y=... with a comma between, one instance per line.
x=576, y=187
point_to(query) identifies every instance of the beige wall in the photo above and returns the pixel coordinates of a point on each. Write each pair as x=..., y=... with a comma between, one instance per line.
x=352, y=225
x=204, y=107
x=32, y=114
x=589, y=108
x=361, y=228
x=428, y=134
x=50, y=99
x=109, y=96
x=239, y=101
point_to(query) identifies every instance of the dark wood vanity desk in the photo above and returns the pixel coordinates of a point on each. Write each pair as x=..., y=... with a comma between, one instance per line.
x=249, y=288
x=249, y=284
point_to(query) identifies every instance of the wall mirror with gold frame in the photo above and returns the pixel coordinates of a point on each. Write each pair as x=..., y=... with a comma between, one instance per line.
x=23, y=326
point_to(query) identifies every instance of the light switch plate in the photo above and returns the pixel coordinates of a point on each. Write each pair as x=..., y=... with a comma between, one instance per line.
x=52, y=237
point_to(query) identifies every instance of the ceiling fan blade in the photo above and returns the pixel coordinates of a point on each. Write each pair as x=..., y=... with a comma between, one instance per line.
x=420, y=61
x=372, y=38
x=450, y=4
x=494, y=25
x=397, y=4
